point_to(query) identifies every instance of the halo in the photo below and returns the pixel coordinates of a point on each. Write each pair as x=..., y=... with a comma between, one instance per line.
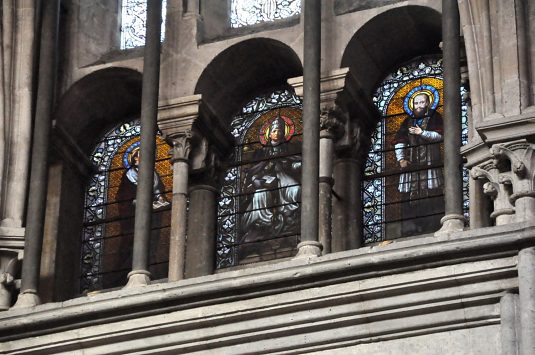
x=289, y=129
x=429, y=90
x=128, y=153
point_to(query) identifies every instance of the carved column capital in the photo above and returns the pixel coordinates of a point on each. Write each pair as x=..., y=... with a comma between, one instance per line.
x=497, y=187
x=331, y=123
x=521, y=156
x=181, y=146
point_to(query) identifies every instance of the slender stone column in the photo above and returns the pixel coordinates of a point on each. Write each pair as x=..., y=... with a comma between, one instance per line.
x=346, y=227
x=41, y=138
x=498, y=188
x=309, y=245
x=331, y=127
x=200, y=254
x=177, y=244
x=149, y=108
x=526, y=294
x=325, y=186
x=520, y=155
x=509, y=323
x=454, y=219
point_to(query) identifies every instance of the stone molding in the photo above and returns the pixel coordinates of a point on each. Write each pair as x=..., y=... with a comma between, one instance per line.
x=369, y=281
x=181, y=147
x=521, y=156
x=497, y=187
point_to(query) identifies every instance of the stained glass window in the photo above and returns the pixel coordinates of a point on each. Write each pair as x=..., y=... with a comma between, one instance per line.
x=107, y=237
x=402, y=190
x=250, y=12
x=258, y=209
x=134, y=23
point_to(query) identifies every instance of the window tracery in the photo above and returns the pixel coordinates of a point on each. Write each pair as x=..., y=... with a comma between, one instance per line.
x=134, y=23
x=107, y=235
x=403, y=179
x=258, y=209
x=250, y=12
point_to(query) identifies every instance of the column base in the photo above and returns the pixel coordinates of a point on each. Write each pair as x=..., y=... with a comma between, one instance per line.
x=138, y=278
x=308, y=249
x=26, y=299
x=451, y=223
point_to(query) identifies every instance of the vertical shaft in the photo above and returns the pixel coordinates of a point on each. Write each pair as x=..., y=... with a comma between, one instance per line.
x=40, y=146
x=526, y=295
x=149, y=109
x=452, y=108
x=325, y=188
x=200, y=254
x=311, y=115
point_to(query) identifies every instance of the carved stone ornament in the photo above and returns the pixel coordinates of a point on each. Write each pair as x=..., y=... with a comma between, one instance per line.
x=497, y=187
x=332, y=122
x=521, y=156
x=181, y=146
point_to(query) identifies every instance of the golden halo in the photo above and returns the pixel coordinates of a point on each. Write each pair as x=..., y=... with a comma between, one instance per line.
x=427, y=92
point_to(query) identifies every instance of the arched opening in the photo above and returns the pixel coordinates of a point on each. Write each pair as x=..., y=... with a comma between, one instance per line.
x=259, y=186
x=89, y=108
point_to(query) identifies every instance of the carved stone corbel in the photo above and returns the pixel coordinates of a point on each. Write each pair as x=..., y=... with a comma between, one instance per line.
x=521, y=156
x=498, y=188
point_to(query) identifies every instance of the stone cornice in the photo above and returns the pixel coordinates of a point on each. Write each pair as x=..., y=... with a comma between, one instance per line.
x=290, y=276
x=502, y=129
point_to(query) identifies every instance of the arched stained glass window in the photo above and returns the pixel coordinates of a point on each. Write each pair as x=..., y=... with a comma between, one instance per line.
x=258, y=209
x=109, y=210
x=403, y=179
x=134, y=23
x=250, y=12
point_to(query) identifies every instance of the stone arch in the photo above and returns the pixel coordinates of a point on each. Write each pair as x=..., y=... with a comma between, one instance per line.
x=245, y=69
x=388, y=39
x=98, y=101
x=89, y=107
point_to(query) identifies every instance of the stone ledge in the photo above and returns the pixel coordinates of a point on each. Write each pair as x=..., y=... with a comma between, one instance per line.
x=330, y=272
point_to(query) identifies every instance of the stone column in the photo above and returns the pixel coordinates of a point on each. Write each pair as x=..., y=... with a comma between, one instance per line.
x=509, y=323
x=310, y=245
x=498, y=188
x=200, y=253
x=177, y=244
x=526, y=295
x=454, y=219
x=330, y=127
x=41, y=138
x=346, y=225
x=521, y=156
x=140, y=274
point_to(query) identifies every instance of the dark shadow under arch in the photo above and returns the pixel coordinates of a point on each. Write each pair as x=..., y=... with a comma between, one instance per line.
x=391, y=38
x=98, y=101
x=243, y=70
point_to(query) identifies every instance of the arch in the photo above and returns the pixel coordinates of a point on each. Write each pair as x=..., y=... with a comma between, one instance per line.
x=97, y=101
x=245, y=69
x=389, y=39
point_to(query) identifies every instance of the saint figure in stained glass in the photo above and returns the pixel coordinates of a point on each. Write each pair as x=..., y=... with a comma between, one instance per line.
x=271, y=184
x=418, y=154
x=131, y=163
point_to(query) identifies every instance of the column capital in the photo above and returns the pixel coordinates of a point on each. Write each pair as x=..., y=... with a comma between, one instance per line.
x=181, y=146
x=497, y=187
x=521, y=156
x=331, y=123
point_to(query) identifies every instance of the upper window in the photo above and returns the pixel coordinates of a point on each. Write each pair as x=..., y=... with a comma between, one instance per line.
x=109, y=210
x=250, y=12
x=403, y=183
x=259, y=205
x=134, y=23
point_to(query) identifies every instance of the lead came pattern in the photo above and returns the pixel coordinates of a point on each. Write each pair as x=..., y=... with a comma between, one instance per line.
x=373, y=191
x=134, y=23
x=250, y=12
x=229, y=201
